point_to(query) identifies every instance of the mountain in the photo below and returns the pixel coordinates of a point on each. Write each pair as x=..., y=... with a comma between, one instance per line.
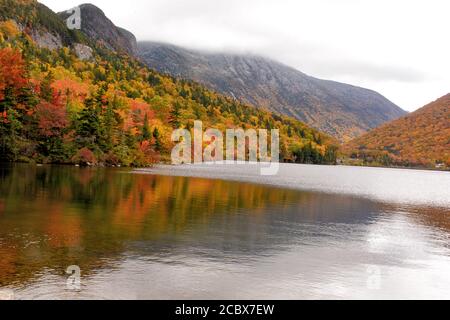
x=341, y=110
x=98, y=27
x=421, y=138
x=39, y=23
x=72, y=97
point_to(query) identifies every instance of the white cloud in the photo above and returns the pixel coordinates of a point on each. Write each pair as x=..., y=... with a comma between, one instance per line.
x=399, y=48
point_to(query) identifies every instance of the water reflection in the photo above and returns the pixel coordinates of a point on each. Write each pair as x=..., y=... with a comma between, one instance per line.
x=146, y=236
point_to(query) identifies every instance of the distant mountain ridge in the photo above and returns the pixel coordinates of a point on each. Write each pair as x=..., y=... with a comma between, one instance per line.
x=421, y=138
x=341, y=110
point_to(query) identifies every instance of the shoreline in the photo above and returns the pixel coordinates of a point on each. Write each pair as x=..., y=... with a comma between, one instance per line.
x=416, y=168
x=373, y=183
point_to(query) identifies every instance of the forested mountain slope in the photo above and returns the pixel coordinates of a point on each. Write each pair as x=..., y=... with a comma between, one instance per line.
x=419, y=139
x=68, y=98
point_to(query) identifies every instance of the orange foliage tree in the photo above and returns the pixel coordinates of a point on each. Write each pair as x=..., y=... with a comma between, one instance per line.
x=139, y=112
x=70, y=89
x=12, y=71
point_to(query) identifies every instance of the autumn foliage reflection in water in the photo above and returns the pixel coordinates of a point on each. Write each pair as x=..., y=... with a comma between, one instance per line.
x=52, y=217
x=55, y=217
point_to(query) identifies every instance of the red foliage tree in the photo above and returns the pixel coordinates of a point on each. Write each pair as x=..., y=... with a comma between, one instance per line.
x=85, y=157
x=138, y=112
x=12, y=71
x=147, y=154
x=52, y=116
x=12, y=77
x=70, y=89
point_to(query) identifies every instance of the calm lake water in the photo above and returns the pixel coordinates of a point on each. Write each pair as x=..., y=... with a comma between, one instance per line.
x=224, y=232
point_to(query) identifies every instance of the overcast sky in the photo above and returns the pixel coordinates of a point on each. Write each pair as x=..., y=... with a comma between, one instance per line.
x=399, y=48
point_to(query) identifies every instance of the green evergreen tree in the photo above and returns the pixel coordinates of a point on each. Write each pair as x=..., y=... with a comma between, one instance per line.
x=331, y=155
x=46, y=89
x=157, y=137
x=146, y=133
x=88, y=126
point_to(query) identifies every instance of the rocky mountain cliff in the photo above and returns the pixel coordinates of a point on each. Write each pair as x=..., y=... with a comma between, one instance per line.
x=342, y=110
x=40, y=23
x=101, y=29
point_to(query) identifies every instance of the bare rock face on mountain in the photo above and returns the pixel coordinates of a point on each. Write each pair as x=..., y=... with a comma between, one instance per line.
x=342, y=110
x=83, y=52
x=46, y=40
x=100, y=28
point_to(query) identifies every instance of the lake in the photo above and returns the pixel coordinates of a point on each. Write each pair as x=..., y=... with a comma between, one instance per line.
x=224, y=232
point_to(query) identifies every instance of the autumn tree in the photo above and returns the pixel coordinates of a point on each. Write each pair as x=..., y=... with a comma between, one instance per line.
x=12, y=75
x=12, y=82
x=52, y=124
